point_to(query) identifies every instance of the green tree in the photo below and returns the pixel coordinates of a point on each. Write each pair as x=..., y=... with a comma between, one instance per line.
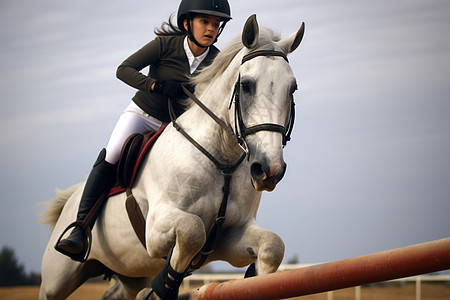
x=11, y=272
x=293, y=260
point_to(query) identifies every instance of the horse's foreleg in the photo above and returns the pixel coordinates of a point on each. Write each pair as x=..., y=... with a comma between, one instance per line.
x=173, y=228
x=179, y=236
x=250, y=243
x=269, y=251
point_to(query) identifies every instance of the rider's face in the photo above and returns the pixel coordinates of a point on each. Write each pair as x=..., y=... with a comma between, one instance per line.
x=205, y=29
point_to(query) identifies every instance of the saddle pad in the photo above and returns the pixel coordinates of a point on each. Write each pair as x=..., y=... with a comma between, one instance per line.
x=131, y=169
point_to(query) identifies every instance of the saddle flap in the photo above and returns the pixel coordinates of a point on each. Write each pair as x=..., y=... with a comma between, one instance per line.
x=128, y=158
x=131, y=150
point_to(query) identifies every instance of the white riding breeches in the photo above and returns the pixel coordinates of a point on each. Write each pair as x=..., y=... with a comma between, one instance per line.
x=132, y=120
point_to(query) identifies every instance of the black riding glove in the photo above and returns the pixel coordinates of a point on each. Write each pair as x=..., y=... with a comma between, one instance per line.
x=169, y=88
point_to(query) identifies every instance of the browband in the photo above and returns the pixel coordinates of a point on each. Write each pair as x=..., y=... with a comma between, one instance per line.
x=264, y=53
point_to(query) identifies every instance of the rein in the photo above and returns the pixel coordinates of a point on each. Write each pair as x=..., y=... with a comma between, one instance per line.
x=241, y=131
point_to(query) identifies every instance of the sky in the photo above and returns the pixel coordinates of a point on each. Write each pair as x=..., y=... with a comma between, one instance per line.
x=369, y=161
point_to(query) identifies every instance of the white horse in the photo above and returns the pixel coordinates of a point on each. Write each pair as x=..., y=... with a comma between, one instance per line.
x=180, y=189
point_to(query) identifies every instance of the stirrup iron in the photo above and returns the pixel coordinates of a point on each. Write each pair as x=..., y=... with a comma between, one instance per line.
x=77, y=257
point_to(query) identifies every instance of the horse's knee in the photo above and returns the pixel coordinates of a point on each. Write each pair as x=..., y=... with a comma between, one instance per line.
x=187, y=233
x=190, y=233
x=270, y=254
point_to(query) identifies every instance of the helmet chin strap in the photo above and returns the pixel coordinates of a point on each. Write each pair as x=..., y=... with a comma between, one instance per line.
x=191, y=35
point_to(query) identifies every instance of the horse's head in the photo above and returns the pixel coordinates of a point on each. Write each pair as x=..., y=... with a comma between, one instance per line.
x=263, y=102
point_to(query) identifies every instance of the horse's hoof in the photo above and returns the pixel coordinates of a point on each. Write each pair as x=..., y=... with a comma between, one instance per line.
x=251, y=271
x=147, y=294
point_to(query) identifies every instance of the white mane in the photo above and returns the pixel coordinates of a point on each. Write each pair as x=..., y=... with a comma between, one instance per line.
x=267, y=38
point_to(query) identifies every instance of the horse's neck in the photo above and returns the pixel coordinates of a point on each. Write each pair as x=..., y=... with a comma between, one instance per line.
x=216, y=97
x=218, y=94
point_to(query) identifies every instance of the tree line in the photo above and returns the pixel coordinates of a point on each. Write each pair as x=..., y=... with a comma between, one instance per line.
x=12, y=273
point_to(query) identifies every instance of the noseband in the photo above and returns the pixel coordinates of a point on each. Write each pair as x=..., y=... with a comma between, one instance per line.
x=240, y=129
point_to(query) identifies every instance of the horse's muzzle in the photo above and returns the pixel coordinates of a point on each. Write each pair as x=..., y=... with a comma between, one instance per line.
x=265, y=177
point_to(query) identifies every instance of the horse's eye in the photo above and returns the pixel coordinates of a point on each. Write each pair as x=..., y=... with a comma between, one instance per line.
x=245, y=87
x=248, y=86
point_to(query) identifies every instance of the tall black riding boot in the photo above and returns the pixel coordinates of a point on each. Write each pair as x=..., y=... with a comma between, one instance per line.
x=100, y=179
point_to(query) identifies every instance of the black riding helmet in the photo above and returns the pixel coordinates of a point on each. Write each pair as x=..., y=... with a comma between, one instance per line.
x=189, y=8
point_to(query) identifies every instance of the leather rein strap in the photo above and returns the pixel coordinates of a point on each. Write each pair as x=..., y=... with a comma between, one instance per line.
x=222, y=167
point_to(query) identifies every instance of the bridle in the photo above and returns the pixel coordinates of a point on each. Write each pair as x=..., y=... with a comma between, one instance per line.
x=241, y=130
x=240, y=133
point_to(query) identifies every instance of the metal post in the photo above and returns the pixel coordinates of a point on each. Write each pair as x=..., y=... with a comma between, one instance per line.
x=418, y=287
x=358, y=292
x=330, y=295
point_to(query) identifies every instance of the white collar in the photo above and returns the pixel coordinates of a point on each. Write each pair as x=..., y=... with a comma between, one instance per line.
x=194, y=62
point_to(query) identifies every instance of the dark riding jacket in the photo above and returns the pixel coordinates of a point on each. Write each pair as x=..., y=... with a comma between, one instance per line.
x=168, y=61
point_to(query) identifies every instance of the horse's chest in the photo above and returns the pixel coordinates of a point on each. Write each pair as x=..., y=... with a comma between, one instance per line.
x=185, y=189
x=203, y=195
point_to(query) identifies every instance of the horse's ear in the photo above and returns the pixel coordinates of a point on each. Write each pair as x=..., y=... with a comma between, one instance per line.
x=251, y=32
x=293, y=41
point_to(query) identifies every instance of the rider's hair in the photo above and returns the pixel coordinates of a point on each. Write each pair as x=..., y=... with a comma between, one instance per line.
x=169, y=29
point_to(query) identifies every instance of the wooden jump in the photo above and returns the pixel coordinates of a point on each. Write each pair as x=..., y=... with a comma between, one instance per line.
x=387, y=265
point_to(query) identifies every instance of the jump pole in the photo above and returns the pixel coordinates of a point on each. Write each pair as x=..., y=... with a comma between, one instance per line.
x=382, y=266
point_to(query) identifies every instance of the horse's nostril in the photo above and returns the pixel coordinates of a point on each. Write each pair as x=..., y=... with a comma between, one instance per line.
x=258, y=172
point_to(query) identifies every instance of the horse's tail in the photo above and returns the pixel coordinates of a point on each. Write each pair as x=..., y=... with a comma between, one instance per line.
x=55, y=206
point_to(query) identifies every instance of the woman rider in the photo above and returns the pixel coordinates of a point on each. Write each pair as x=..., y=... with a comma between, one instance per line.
x=173, y=56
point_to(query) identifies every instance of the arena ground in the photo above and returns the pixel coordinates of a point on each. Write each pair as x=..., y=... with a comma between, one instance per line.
x=396, y=291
